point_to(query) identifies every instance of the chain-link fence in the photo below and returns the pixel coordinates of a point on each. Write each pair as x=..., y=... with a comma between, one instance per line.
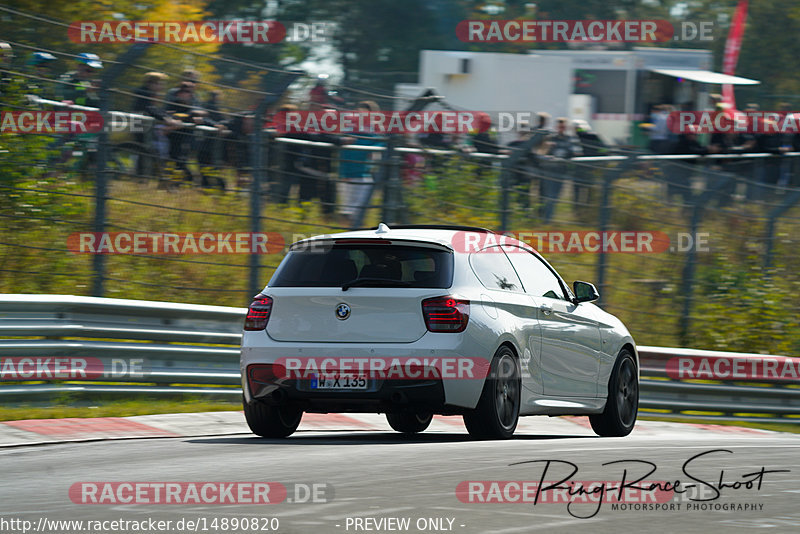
x=692, y=249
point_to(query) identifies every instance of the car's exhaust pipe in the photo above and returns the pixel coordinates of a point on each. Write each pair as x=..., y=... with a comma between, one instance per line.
x=278, y=396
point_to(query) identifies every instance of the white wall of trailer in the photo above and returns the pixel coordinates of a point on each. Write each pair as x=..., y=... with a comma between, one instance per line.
x=495, y=82
x=544, y=81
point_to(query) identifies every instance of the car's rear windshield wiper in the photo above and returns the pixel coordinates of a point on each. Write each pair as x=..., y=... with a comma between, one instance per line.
x=368, y=281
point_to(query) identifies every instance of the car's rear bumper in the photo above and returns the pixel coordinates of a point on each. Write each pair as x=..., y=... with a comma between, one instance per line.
x=443, y=395
x=383, y=396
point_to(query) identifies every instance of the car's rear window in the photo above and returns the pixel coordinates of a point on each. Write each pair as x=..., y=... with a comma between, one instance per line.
x=337, y=264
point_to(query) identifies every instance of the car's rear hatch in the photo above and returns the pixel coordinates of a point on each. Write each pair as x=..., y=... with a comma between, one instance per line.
x=384, y=284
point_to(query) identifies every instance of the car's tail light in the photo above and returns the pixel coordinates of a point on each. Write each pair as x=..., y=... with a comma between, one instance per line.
x=258, y=313
x=445, y=314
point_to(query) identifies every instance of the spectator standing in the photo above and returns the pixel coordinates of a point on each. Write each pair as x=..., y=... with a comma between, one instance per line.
x=679, y=180
x=356, y=167
x=183, y=111
x=721, y=181
x=413, y=166
x=40, y=65
x=80, y=86
x=484, y=141
x=209, y=141
x=560, y=147
x=316, y=170
x=591, y=145
x=525, y=168
x=659, y=133
x=148, y=101
x=6, y=63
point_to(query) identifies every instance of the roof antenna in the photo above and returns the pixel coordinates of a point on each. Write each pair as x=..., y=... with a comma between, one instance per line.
x=382, y=229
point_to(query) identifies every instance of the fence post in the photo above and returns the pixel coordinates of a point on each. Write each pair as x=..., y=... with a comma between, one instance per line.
x=773, y=216
x=507, y=168
x=605, y=217
x=257, y=157
x=505, y=198
x=395, y=198
x=100, y=192
x=604, y=221
x=699, y=202
x=101, y=175
x=687, y=282
x=385, y=174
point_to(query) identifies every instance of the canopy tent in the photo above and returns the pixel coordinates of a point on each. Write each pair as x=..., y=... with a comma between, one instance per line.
x=705, y=76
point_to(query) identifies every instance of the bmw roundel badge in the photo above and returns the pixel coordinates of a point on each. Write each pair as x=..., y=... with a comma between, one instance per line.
x=342, y=311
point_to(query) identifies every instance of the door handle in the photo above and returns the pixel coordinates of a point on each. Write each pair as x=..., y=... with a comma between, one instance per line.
x=546, y=309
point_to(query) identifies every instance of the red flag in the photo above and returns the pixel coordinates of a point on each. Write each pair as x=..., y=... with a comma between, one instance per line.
x=732, y=47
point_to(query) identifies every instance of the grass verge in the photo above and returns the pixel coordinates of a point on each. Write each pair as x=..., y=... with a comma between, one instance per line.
x=116, y=409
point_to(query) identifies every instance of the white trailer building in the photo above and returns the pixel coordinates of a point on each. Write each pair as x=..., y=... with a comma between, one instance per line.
x=612, y=90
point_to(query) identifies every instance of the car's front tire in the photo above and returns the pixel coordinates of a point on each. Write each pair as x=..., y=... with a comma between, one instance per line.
x=622, y=405
x=497, y=412
x=271, y=421
x=409, y=423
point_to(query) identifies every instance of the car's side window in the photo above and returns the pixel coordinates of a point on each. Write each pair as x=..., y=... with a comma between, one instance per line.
x=537, y=279
x=493, y=269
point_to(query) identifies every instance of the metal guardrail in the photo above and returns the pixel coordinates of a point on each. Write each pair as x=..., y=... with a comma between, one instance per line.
x=193, y=349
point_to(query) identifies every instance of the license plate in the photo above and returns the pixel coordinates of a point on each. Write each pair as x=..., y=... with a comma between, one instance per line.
x=340, y=382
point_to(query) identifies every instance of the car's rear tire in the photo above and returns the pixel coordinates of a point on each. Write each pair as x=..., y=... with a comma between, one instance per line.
x=409, y=423
x=271, y=421
x=619, y=416
x=497, y=412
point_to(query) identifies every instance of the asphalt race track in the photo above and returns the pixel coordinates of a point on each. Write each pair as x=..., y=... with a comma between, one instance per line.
x=369, y=473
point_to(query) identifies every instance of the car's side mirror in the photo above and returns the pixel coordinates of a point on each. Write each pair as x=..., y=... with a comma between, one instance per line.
x=584, y=292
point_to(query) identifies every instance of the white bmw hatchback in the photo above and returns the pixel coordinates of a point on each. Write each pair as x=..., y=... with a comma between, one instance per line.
x=414, y=321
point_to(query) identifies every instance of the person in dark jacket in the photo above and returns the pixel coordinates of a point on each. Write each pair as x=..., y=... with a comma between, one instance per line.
x=41, y=64
x=148, y=101
x=80, y=86
x=484, y=141
x=183, y=110
x=680, y=172
x=591, y=145
x=561, y=146
x=525, y=168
